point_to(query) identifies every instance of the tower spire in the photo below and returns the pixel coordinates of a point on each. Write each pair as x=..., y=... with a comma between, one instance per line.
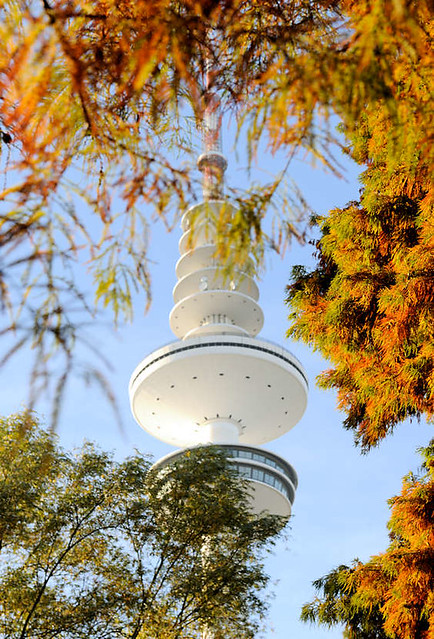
x=212, y=163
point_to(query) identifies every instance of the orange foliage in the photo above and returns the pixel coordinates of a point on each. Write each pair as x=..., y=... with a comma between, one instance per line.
x=94, y=98
x=369, y=308
x=402, y=578
x=369, y=304
x=392, y=594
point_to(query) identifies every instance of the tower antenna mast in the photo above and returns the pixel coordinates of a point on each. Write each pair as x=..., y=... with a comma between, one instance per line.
x=212, y=163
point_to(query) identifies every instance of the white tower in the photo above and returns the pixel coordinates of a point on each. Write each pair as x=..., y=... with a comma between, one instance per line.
x=218, y=383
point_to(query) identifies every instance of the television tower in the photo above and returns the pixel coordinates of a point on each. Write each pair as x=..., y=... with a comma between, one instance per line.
x=218, y=383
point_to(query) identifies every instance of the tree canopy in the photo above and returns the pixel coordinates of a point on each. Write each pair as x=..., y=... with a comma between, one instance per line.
x=391, y=595
x=96, y=98
x=368, y=303
x=368, y=307
x=92, y=547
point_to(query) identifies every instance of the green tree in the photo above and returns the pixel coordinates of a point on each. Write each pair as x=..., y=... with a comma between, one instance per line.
x=91, y=547
x=337, y=605
x=392, y=594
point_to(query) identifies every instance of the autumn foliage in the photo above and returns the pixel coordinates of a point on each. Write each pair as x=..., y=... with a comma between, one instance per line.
x=369, y=308
x=98, y=104
x=100, y=101
x=392, y=594
x=368, y=303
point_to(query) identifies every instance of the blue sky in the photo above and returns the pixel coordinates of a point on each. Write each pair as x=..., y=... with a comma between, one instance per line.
x=340, y=510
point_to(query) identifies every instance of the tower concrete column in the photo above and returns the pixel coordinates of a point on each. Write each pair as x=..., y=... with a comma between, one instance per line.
x=219, y=431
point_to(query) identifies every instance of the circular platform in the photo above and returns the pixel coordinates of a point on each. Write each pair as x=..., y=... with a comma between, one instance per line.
x=225, y=307
x=208, y=211
x=203, y=257
x=213, y=279
x=177, y=389
x=272, y=481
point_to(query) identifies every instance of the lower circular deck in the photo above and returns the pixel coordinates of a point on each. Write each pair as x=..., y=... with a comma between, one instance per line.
x=271, y=480
x=176, y=390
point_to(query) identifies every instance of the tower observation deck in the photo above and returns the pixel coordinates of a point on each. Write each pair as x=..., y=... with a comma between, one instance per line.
x=219, y=383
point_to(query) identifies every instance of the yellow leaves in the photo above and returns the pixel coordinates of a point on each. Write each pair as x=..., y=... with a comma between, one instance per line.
x=387, y=71
x=33, y=99
x=93, y=92
x=148, y=57
x=110, y=52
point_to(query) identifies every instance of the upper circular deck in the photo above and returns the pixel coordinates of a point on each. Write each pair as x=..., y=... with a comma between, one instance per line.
x=178, y=389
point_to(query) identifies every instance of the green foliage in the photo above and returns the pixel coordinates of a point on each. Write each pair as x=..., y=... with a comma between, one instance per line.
x=391, y=595
x=94, y=547
x=338, y=605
